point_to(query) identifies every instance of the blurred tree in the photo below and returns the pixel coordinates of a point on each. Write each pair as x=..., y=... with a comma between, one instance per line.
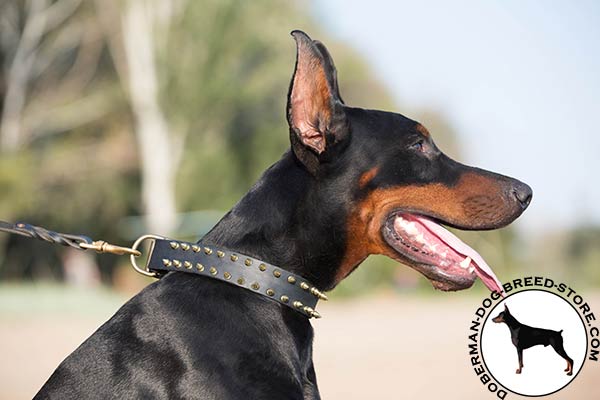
x=118, y=94
x=572, y=255
x=583, y=254
x=144, y=25
x=65, y=159
x=51, y=52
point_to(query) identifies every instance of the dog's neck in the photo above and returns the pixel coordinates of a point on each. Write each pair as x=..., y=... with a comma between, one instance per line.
x=511, y=321
x=290, y=220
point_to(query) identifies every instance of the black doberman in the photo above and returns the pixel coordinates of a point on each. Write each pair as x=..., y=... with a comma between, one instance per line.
x=355, y=182
x=524, y=337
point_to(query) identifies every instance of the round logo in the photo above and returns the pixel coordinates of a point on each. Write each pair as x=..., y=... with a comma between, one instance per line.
x=533, y=342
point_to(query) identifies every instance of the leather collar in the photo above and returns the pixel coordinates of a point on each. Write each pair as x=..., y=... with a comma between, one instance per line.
x=237, y=269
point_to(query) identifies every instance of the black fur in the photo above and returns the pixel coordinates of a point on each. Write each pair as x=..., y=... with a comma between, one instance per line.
x=186, y=336
x=524, y=337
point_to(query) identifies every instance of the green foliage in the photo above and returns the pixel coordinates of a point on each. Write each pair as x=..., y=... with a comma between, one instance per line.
x=16, y=185
x=223, y=78
x=224, y=72
x=227, y=92
x=573, y=255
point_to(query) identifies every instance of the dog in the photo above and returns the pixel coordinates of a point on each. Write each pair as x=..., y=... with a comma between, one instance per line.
x=355, y=182
x=524, y=337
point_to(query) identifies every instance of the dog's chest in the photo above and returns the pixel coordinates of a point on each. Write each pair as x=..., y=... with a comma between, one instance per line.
x=514, y=336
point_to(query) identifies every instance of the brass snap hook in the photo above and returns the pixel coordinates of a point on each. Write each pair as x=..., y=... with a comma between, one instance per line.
x=101, y=246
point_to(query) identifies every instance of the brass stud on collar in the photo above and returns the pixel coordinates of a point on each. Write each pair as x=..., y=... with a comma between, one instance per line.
x=308, y=310
x=316, y=292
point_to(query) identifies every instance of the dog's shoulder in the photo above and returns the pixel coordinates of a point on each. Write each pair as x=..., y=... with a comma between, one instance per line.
x=183, y=332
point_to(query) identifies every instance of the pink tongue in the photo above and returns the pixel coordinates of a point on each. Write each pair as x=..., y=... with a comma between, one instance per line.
x=483, y=270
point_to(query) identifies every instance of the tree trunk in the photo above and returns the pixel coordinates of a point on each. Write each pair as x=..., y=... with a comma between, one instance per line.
x=158, y=155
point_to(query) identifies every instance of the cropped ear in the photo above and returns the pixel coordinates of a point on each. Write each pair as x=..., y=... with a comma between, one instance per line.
x=315, y=109
x=506, y=308
x=330, y=66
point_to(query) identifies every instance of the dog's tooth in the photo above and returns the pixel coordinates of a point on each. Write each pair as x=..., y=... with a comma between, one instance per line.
x=420, y=238
x=400, y=223
x=411, y=229
x=471, y=269
x=464, y=264
x=433, y=247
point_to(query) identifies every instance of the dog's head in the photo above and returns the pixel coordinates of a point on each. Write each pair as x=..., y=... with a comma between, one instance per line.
x=398, y=187
x=502, y=316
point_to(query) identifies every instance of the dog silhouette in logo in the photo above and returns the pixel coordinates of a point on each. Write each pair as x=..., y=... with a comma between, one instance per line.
x=524, y=337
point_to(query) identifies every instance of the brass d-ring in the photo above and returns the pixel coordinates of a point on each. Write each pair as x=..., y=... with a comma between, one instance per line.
x=132, y=257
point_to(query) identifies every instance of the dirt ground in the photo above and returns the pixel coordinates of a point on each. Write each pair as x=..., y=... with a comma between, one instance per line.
x=383, y=347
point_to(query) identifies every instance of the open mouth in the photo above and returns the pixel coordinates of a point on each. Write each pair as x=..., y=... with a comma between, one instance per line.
x=437, y=253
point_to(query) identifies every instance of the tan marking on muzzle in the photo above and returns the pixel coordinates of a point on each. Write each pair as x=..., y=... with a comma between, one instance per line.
x=475, y=201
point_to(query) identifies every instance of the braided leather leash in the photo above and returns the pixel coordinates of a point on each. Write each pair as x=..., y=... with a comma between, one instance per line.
x=79, y=242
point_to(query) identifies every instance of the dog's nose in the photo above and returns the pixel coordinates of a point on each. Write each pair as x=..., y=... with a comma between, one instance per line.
x=523, y=193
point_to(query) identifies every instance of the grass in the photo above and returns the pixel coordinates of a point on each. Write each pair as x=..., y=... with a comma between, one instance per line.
x=52, y=298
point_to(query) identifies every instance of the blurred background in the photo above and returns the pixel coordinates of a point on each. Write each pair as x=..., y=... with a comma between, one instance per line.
x=124, y=117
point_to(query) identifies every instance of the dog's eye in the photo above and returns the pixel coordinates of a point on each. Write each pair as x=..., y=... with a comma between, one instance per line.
x=418, y=146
